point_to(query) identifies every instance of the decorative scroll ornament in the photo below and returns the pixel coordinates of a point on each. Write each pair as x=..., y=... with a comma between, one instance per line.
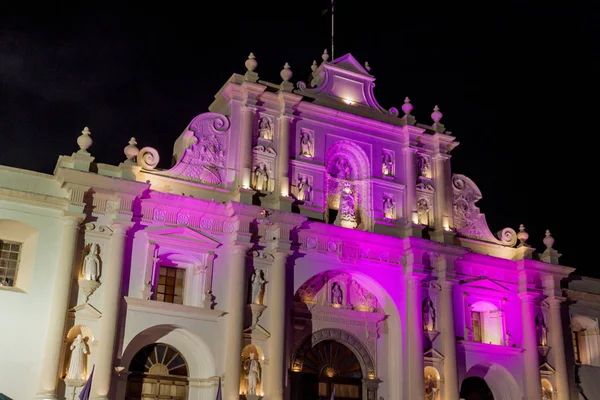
x=468, y=220
x=200, y=151
x=148, y=158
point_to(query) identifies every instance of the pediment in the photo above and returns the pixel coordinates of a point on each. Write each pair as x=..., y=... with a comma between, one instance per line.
x=344, y=82
x=546, y=369
x=256, y=332
x=85, y=311
x=181, y=233
x=483, y=282
x=348, y=62
x=433, y=355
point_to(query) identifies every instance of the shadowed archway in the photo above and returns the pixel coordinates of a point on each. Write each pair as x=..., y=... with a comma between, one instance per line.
x=475, y=388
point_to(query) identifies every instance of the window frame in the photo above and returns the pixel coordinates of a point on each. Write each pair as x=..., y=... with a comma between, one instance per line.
x=3, y=277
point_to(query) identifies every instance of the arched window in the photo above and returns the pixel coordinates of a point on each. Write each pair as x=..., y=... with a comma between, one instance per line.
x=158, y=371
x=487, y=323
x=586, y=340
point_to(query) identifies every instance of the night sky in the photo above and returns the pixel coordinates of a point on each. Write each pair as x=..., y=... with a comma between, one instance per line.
x=510, y=79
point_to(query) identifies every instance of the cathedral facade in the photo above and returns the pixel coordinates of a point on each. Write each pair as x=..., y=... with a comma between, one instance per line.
x=305, y=240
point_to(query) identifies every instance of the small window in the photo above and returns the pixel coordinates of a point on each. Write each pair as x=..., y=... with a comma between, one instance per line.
x=170, y=285
x=10, y=253
x=476, y=319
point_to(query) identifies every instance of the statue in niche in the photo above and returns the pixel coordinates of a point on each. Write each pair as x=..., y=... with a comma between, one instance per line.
x=91, y=264
x=265, y=130
x=306, y=145
x=428, y=315
x=337, y=296
x=270, y=179
x=541, y=330
x=389, y=208
x=257, y=283
x=347, y=211
x=252, y=369
x=431, y=389
x=423, y=211
x=260, y=177
x=304, y=189
x=423, y=166
x=387, y=166
x=77, y=363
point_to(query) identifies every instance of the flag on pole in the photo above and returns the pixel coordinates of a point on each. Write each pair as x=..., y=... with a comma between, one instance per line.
x=333, y=393
x=219, y=396
x=87, y=388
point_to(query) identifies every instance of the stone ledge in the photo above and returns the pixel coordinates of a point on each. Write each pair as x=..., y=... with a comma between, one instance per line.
x=172, y=310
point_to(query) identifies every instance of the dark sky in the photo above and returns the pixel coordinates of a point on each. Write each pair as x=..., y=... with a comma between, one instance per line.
x=513, y=80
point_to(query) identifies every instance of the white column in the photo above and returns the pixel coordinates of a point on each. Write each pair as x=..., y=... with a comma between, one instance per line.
x=246, y=144
x=111, y=278
x=451, y=391
x=410, y=180
x=416, y=363
x=557, y=347
x=58, y=310
x=277, y=318
x=234, y=321
x=533, y=384
x=284, y=155
x=439, y=182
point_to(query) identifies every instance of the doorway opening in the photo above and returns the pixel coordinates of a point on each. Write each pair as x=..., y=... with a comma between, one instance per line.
x=158, y=371
x=475, y=388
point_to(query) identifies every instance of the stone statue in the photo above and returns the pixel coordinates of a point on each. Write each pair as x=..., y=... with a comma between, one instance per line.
x=261, y=178
x=428, y=315
x=387, y=167
x=347, y=211
x=265, y=130
x=304, y=189
x=431, y=389
x=257, y=282
x=253, y=375
x=77, y=364
x=389, y=208
x=306, y=145
x=423, y=211
x=336, y=294
x=423, y=166
x=541, y=330
x=91, y=265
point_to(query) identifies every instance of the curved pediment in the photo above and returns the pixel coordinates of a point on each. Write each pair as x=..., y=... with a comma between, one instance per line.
x=343, y=81
x=468, y=220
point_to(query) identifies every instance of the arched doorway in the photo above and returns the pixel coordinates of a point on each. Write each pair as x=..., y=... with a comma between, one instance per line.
x=475, y=388
x=327, y=365
x=158, y=371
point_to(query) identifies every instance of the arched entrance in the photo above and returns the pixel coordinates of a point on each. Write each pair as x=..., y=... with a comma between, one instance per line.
x=326, y=365
x=333, y=358
x=490, y=382
x=475, y=388
x=158, y=371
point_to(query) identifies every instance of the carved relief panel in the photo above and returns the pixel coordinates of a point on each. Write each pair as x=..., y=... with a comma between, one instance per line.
x=200, y=152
